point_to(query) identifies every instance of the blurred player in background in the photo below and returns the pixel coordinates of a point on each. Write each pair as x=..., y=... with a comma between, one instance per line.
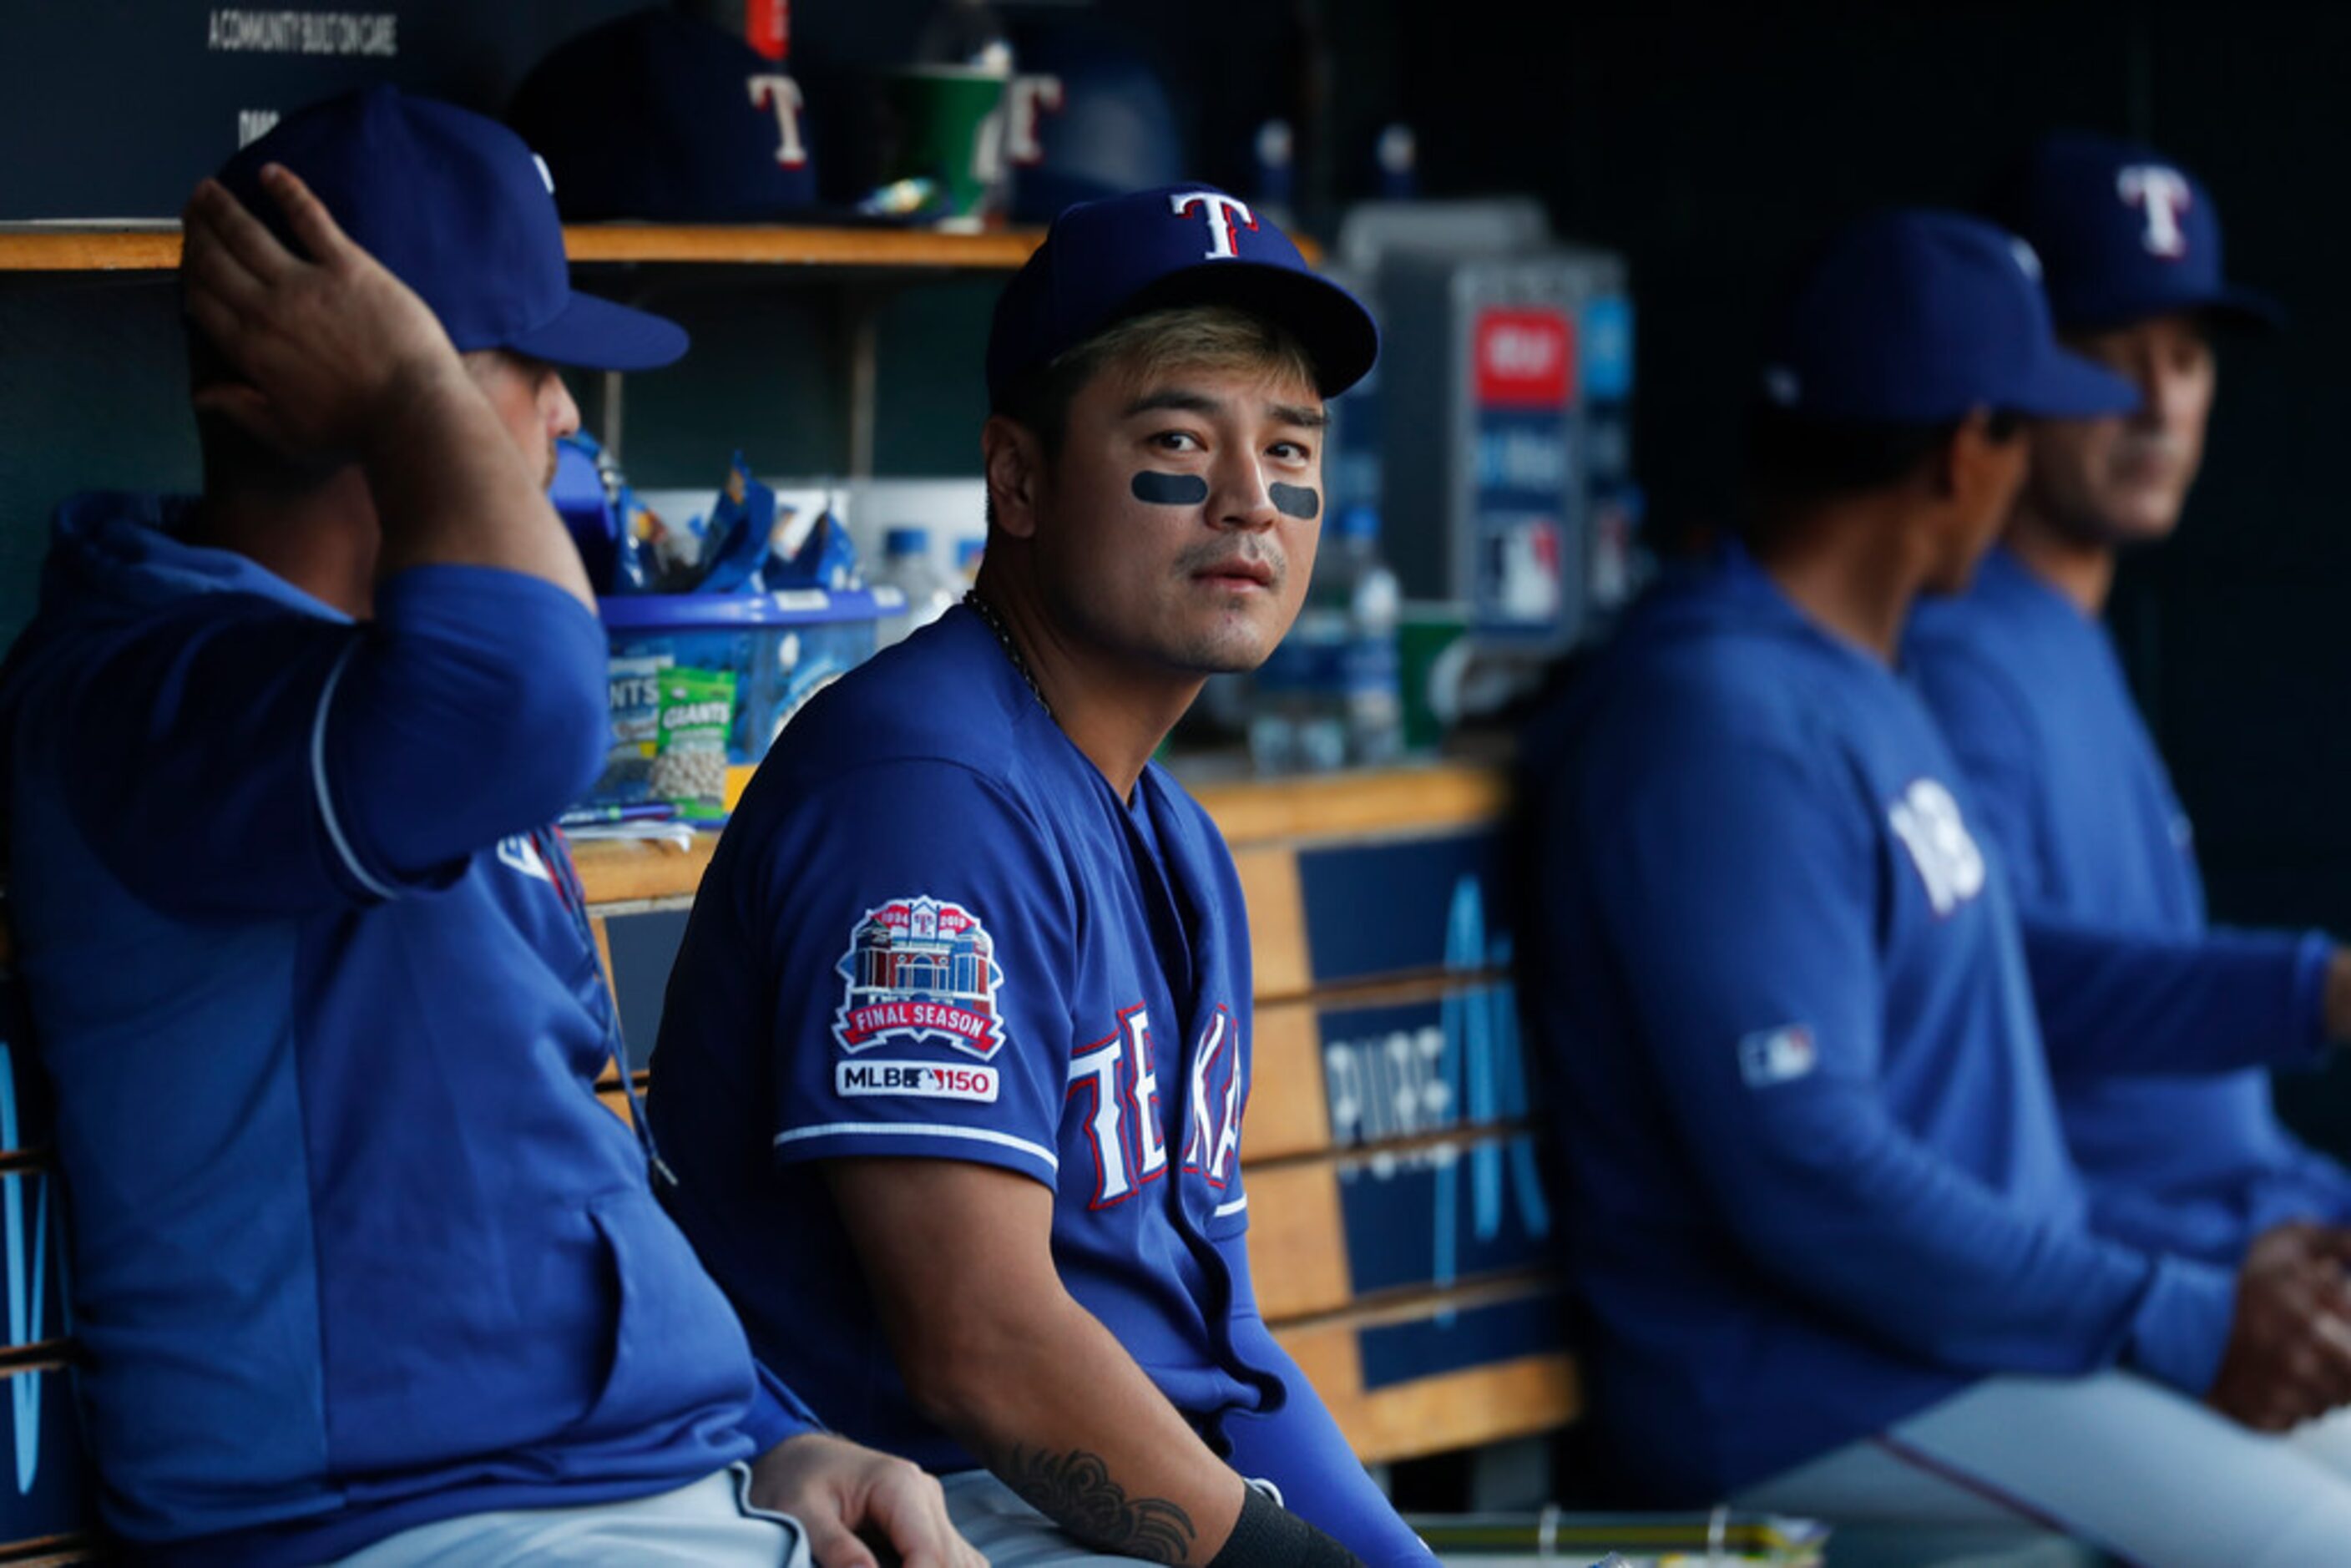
x=2024, y=681
x=1834, y=1256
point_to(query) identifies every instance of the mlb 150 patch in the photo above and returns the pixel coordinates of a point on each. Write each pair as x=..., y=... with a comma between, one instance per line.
x=920, y=968
x=914, y=1080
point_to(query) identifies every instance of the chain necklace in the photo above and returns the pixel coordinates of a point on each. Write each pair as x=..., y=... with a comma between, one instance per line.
x=986, y=612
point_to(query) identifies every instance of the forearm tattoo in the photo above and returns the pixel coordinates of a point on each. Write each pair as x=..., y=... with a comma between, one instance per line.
x=1074, y=1490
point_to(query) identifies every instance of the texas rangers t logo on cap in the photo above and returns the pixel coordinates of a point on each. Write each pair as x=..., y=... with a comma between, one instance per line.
x=1221, y=209
x=782, y=95
x=2163, y=194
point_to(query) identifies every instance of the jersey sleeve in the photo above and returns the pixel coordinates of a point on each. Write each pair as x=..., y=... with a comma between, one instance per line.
x=239, y=757
x=1985, y=725
x=922, y=934
x=1736, y=882
x=2213, y=1003
x=1294, y=1443
x=776, y=1414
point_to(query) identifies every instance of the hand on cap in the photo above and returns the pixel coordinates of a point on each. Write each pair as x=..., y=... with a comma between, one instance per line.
x=324, y=345
x=2336, y=1000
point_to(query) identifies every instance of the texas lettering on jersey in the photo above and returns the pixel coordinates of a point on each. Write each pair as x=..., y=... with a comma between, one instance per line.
x=1117, y=1081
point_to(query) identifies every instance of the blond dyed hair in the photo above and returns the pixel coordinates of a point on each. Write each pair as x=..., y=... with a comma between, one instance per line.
x=1220, y=338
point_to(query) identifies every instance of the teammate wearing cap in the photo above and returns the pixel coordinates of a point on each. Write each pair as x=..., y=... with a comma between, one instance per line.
x=364, y=1271
x=1835, y=1258
x=2026, y=686
x=960, y=1028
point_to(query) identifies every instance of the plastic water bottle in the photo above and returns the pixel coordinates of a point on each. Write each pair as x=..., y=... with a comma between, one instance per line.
x=1294, y=725
x=907, y=566
x=1329, y=697
x=1372, y=674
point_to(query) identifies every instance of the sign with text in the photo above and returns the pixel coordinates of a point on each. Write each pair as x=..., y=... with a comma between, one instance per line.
x=131, y=102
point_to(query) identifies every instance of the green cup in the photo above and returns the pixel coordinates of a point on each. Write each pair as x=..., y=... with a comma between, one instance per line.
x=947, y=143
x=1430, y=648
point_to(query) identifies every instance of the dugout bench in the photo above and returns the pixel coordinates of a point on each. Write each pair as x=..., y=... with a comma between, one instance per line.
x=1399, y=1231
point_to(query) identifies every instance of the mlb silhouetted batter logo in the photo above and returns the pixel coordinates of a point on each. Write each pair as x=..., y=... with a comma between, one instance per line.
x=920, y=968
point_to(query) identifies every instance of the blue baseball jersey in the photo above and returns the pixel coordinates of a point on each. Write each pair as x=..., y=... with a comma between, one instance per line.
x=1815, y=1177
x=2030, y=694
x=933, y=929
x=355, y=1245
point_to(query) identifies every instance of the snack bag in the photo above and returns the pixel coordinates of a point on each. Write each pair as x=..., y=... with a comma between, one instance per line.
x=635, y=691
x=689, y=767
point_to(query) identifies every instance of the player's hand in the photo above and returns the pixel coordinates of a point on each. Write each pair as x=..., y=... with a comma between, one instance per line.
x=845, y=1496
x=327, y=346
x=2337, y=999
x=2288, y=1352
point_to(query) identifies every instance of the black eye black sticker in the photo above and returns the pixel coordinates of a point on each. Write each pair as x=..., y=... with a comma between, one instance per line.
x=1172, y=489
x=1295, y=500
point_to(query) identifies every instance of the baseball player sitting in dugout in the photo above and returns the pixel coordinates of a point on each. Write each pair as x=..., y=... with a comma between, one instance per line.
x=955, y=1054
x=364, y=1271
x=2024, y=681
x=1836, y=1258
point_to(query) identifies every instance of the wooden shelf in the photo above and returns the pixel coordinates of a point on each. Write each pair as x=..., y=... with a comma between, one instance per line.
x=155, y=247
x=49, y=247
x=762, y=244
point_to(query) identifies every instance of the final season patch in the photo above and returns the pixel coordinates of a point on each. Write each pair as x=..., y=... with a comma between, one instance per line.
x=918, y=968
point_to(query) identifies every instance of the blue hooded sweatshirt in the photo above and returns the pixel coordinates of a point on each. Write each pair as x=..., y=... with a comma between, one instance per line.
x=1814, y=1176
x=355, y=1245
x=2028, y=693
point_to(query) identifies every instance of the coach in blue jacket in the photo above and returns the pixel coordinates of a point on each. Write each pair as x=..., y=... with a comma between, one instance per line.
x=1834, y=1253
x=363, y=1269
x=2024, y=681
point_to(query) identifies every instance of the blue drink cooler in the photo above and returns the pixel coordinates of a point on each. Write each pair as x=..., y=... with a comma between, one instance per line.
x=669, y=653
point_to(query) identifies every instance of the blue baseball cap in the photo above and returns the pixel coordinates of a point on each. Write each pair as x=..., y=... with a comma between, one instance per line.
x=658, y=115
x=1915, y=316
x=457, y=207
x=1090, y=117
x=2124, y=234
x=1176, y=244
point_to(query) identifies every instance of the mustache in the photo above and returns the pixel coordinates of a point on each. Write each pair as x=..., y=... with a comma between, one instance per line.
x=1252, y=552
